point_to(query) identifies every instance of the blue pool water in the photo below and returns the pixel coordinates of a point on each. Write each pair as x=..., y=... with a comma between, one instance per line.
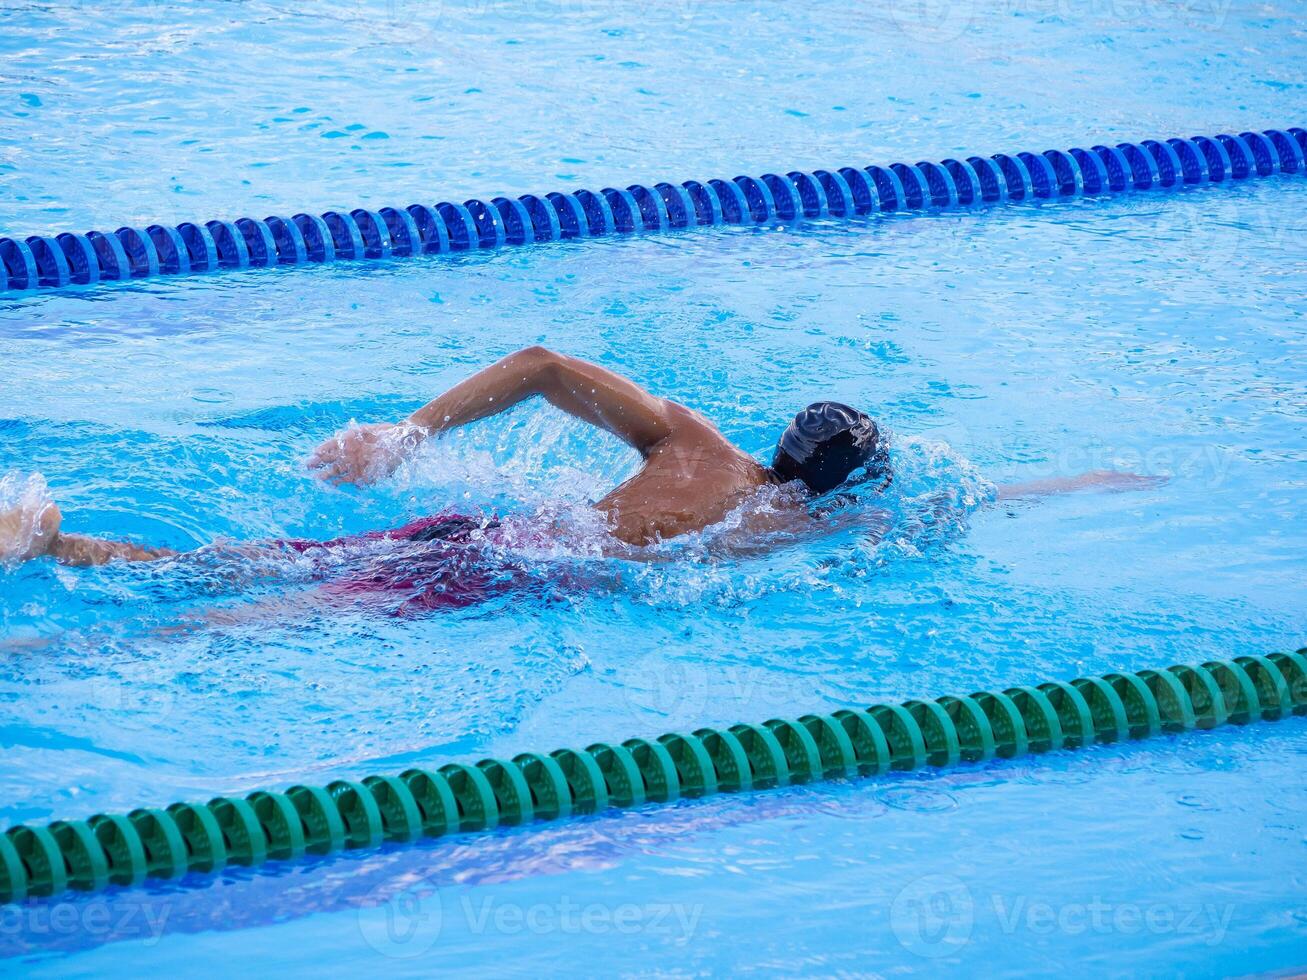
x=1160, y=334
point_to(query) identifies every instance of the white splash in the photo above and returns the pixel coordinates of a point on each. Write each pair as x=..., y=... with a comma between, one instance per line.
x=28, y=517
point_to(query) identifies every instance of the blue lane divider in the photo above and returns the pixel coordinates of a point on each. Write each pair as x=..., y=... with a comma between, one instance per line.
x=70, y=259
x=83, y=266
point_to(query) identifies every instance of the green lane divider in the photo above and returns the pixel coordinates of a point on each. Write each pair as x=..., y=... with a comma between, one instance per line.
x=109, y=849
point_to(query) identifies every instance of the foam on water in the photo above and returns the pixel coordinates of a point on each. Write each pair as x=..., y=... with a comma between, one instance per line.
x=25, y=505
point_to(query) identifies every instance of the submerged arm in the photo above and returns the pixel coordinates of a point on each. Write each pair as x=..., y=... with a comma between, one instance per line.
x=81, y=551
x=35, y=528
x=1112, y=481
x=584, y=390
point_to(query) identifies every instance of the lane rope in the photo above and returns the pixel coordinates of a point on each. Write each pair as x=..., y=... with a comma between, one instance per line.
x=71, y=259
x=172, y=841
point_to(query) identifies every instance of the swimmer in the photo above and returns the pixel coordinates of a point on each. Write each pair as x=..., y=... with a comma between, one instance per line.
x=691, y=476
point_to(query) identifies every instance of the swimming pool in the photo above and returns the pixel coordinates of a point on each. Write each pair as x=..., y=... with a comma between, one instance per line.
x=1159, y=334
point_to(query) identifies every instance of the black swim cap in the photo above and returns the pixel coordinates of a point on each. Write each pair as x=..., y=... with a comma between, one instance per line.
x=825, y=443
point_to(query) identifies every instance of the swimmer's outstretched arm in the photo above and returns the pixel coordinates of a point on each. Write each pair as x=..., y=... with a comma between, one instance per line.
x=82, y=551
x=1112, y=481
x=587, y=391
x=31, y=531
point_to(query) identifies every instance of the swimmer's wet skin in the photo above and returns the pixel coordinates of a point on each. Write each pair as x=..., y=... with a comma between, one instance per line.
x=691, y=477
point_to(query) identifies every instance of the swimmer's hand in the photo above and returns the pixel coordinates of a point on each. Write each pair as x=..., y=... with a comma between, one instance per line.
x=363, y=454
x=28, y=530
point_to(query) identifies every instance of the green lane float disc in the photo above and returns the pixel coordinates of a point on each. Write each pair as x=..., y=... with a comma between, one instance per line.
x=801, y=753
x=1272, y=688
x=477, y=807
x=241, y=831
x=88, y=868
x=942, y=746
x=1141, y=711
x=584, y=778
x=1204, y=694
x=906, y=740
x=324, y=830
x=870, y=747
x=661, y=783
x=122, y=847
x=1237, y=691
x=730, y=761
x=622, y=779
x=40, y=854
x=13, y=876
x=834, y=747
x=1005, y=722
x=1043, y=727
x=975, y=735
x=1111, y=723
x=1072, y=713
x=203, y=837
x=1172, y=700
x=551, y=797
x=1293, y=668
x=512, y=794
x=694, y=766
x=165, y=850
x=282, y=827
x=364, y=825
x=401, y=818
x=766, y=757
x=435, y=799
